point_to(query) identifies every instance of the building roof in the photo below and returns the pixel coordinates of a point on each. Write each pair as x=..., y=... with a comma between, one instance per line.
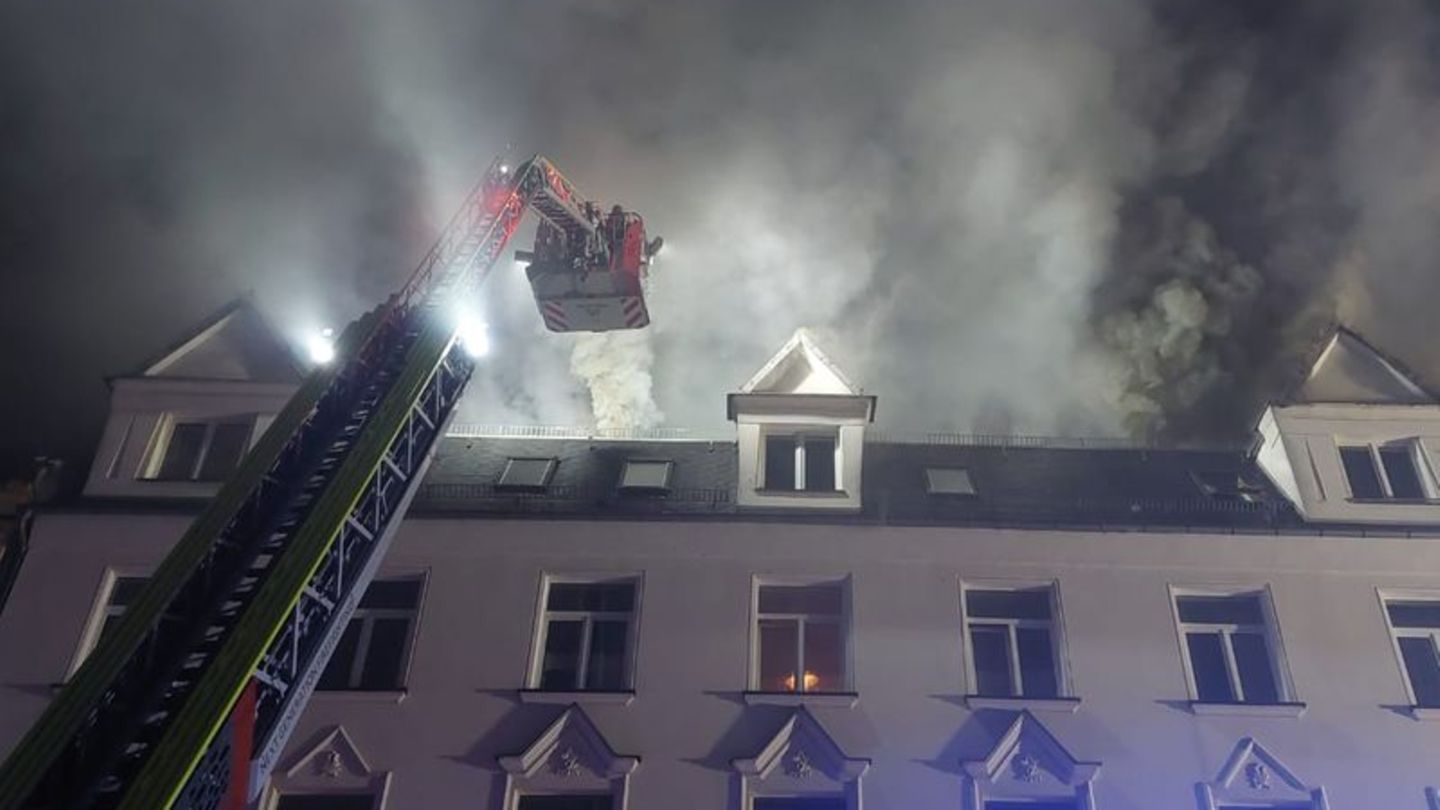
x=1348, y=368
x=1020, y=485
x=234, y=343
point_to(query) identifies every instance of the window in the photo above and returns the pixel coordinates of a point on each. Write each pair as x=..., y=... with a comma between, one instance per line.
x=803, y=462
x=640, y=475
x=527, y=474
x=574, y=801
x=373, y=651
x=325, y=801
x=1386, y=472
x=1415, y=625
x=800, y=638
x=1040, y=805
x=586, y=636
x=799, y=803
x=197, y=450
x=120, y=593
x=1229, y=486
x=1012, y=642
x=1230, y=651
x=948, y=481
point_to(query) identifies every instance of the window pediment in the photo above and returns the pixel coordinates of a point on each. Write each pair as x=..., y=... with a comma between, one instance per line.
x=570, y=752
x=802, y=759
x=1253, y=774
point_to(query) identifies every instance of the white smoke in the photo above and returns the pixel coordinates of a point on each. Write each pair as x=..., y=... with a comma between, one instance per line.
x=616, y=369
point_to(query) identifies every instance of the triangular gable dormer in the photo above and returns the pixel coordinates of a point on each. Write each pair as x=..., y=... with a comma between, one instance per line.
x=1028, y=763
x=1252, y=774
x=235, y=343
x=569, y=756
x=1350, y=370
x=217, y=389
x=800, y=426
x=801, y=760
x=1358, y=441
x=331, y=763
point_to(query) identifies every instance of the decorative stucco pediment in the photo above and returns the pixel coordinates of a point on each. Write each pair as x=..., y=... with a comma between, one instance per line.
x=802, y=756
x=800, y=367
x=1252, y=773
x=571, y=748
x=1028, y=758
x=334, y=756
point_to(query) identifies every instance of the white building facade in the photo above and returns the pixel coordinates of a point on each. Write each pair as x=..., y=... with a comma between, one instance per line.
x=811, y=615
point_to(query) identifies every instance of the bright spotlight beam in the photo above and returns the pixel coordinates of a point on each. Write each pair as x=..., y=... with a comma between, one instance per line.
x=472, y=333
x=321, y=347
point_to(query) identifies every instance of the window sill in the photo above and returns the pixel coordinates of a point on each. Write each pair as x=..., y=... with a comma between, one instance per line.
x=819, y=494
x=1396, y=501
x=1248, y=709
x=362, y=695
x=843, y=699
x=1424, y=712
x=575, y=696
x=1069, y=705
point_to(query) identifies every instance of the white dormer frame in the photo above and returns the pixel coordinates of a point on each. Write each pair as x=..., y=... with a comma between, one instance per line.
x=800, y=392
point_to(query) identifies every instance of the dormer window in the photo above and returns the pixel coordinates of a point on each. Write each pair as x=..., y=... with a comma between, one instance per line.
x=200, y=450
x=1385, y=472
x=802, y=461
x=645, y=475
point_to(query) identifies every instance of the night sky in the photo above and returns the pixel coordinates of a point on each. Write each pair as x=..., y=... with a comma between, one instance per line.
x=1099, y=218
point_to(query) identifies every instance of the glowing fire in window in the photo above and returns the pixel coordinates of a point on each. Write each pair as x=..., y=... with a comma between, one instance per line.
x=811, y=681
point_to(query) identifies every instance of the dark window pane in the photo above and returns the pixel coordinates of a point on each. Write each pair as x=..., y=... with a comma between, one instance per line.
x=778, y=640
x=337, y=672
x=814, y=600
x=1027, y=604
x=182, y=451
x=386, y=653
x=228, y=443
x=1423, y=669
x=606, y=667
x=824, y=655
x=1400, y=469
x=1257, y=672
x=1207, y=664
x=990, y=646
x=570, y=802
x=326, y=801
x=1220, y=609
x=779, y=462
x=615, y=597
x=392, y=593
x=1049, y=804
x=800, y=803
x=1360, y=472
x=1037, y=662
x=560, y=668
x=125, y=589
x=1414, y=614
x=820, y=465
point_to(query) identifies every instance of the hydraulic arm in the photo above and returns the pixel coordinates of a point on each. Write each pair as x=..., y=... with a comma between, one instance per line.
x=190, y=700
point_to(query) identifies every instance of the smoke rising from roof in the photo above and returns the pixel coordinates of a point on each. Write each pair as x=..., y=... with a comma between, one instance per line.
x=1111, y=217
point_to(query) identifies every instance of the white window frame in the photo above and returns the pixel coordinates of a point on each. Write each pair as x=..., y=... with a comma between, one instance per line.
x=551, y=464
x=1388, y=595
x=100, y=610
x=1056, y=626
x=588, y=617
x=362, y=645
x=377, y=798
x=847, y=660
x=155, y=458
x=1269, y=631
x=1418, y=456
x=797, y=436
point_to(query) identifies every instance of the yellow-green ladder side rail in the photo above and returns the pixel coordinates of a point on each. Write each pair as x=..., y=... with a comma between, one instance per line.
x=186, y=740
x=48, y=738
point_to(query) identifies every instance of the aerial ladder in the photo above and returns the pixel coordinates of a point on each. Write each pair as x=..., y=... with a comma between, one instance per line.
x=189, y=702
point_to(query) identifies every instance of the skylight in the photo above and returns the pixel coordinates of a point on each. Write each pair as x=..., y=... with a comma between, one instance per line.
x=646, y=474
x=527, y=473
x=948, y=481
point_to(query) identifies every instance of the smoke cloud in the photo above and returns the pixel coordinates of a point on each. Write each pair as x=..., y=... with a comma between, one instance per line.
x=1117, y=217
